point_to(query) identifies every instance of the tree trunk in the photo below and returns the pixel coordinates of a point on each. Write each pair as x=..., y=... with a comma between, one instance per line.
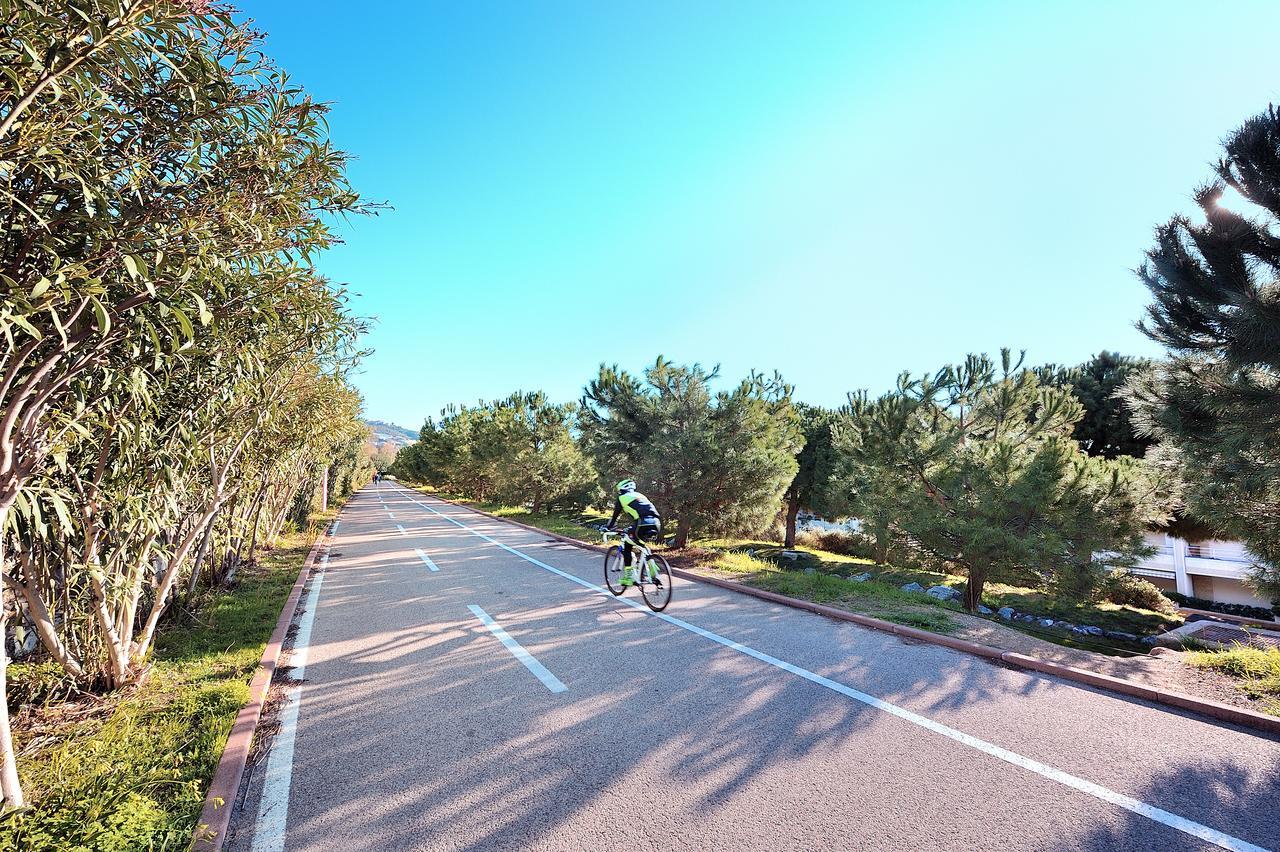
x=682, y=533
x=200, y=554
x=10, y=788
x=973, y=589
x=793, y=511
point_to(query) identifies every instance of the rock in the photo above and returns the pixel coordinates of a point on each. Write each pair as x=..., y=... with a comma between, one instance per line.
x=984, y=610
x=913, y=587
x=1006, y=612
x=1065, y=625
x=811, y=570
x=793, y=555
x=1026, y=618
x=1150, y=640
x=860, y=578
x=1120, y=634
x=1046, y=622
x=1093, y=631
x=943, y=593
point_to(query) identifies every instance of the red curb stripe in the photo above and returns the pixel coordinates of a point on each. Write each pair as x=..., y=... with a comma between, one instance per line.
x=215, y=816
x=1203, y=706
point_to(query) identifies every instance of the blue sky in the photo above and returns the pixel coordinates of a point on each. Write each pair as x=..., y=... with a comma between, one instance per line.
x=837, y=190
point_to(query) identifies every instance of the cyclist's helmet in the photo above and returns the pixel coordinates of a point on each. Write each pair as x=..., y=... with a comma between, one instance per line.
x=626, y=485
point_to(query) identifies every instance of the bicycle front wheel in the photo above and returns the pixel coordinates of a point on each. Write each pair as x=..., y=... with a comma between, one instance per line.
x=656, y=585
x=613, y=570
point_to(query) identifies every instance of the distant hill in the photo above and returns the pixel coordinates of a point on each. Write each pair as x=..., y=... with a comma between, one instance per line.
x=384, y=432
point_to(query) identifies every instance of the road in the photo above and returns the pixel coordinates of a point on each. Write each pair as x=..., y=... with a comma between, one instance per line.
x=467, y=686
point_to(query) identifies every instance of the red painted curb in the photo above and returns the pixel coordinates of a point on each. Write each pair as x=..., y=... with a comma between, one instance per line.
x=211, y=831
x=1213, y=709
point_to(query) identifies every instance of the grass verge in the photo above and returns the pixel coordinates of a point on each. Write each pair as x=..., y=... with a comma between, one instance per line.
x=129, y=771
x=1255, y=671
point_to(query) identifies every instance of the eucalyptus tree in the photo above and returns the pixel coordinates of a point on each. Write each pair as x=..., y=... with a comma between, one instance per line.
x=158, y=175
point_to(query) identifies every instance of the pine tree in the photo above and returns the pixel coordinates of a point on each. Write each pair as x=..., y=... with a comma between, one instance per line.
x=1106, y=429
x=1216, y=306
x=715, y=462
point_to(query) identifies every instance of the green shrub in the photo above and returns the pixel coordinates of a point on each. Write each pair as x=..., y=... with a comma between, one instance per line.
x=1243, y=610
x=1257, y=670
x=1125, y=589
x=39, y=684
x=843, y=542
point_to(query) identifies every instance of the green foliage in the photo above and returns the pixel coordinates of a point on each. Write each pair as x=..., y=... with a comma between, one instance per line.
x=715, y=462
x=136, y=778
x=815, y=466
x=1106, y=429
x=1215, y=291
x=175, y=369
x=1257, y=670
x=975, y=467
x=516, y=450
x=1124, y=588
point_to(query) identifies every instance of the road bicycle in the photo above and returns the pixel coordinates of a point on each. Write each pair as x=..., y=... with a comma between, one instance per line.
x=651, y=572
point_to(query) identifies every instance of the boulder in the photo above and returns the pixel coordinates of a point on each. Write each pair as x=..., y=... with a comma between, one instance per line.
x=1006, y=612
x=984, y=610
x=793, y=555
x=1093, y=631
x=913, y=587
x=860, y=578
x=1120, y=634
x=1046, y=622
x=811, y=570
x=944, y=593
x=1065, y=625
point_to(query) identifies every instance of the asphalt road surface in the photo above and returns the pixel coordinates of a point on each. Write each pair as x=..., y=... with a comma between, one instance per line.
x=467, y=686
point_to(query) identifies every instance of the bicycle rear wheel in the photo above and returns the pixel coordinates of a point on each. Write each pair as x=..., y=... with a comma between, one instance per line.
x=655, y=588
x=613, y=570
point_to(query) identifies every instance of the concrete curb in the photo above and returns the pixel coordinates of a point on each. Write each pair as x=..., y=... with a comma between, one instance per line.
x=215, y=816
x=1205, y=707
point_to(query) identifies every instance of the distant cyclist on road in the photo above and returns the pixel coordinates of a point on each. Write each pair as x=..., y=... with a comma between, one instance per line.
x=646, y=523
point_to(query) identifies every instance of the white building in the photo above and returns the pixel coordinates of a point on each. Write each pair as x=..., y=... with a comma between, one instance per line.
x=1213, y=570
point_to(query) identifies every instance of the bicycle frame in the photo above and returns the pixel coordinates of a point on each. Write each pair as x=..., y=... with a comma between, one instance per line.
x=642, y=568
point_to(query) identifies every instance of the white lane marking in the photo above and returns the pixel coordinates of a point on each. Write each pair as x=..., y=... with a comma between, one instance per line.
x=273, y=808
x=333, y=530
x=425, y=558
x=1187, y=826
x=531, y=663
x=402, y=530
x=391, y=516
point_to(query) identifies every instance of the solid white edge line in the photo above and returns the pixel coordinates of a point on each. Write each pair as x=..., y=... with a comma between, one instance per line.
x=531, y=663
x=1172, y=820
x=333, y=530
x=425, y=558
x=273, y=807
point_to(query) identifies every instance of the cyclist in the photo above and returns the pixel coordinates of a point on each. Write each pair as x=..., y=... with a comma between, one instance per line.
x=646, y=523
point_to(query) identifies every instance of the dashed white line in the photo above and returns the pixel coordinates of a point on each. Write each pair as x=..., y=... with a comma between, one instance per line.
x=1151, y=812
x=425, y=558
x=531, y=663
x=402, y=529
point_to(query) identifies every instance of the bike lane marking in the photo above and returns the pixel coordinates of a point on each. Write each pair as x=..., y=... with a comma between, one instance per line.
x=425, y=558
x=273, y=807
x=531, y=663
x=1151, y=812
